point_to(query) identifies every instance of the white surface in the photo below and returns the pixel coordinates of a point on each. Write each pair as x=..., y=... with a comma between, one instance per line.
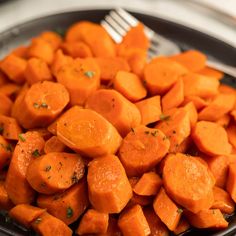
x=176, y=10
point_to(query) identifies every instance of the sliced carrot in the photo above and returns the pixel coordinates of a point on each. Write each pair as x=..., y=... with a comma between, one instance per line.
x=5, y=105
x=231, y=132
x=109, y=188
x=14, y=67
x=54, y=145
x=69, y=205
x=129, y=85
x=5, y=152
x=148, y=185
x=113, y=229
x=123, y=114
x=3, y=78
x=48, y=225
x=109, y=66
x=185, y=145
x=198, y=102
x=196, y=193
x=37, y=70
x=42, y=103
x=133, y=222
x=81, y=78
x=45, y=134
x=52, y=128
x=207, y=71
x=5, y=202
x=199, y=85
x=10, y=89
x=182, y=227
x=226, y=89
x=161, y=74
x=54, y=172
x=223, y=201
x=150, y=109
x=167, y=210
x=176, y=127
x=231, y=181
x=87, y=132
x=142, y=149
x=224, y=120
x=93, y=222
x=28, y=147
x=193, y=60
x=212, y=219
x=20, y=51
x=192, y=112
x=25, y=214
x=52, y=38
x=211, y=138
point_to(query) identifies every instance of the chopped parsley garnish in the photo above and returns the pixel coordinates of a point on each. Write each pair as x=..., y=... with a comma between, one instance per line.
x=146, y=132
x=132, y=130
x=164, y=117
x=21, y=137
x=69, y=212
x=180, y=210
x=48, y=168
x=89, y=74
x=9, y=148
x=154, y=133
x=38, y=220
x=36, y=153
x=36, y=105
x=74, y=178
x=44, y=105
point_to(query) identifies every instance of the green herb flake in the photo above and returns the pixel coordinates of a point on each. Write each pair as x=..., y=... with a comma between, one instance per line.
x=21, y=137
x=36, y=105
x=44, y=105
x=1, y=130
x=154, y=133
x=48, y=168
x=132, y=130
x=146, y=132
x=38, y=220
x=180, y=210
x=36, y=153
x=89, y=74
x=164, y=117
x=74, y=178
x=69, y=212
x=9, y=148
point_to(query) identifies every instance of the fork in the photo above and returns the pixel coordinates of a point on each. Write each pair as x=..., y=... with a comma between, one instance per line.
x=118, y=22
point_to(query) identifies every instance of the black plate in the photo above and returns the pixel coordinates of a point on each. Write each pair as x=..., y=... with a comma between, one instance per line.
x=185, y=37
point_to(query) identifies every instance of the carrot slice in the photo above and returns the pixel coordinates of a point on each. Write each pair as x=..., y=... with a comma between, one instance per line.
x=93, y=222
x=123, y=114
x=5, y=202
x=28, y=147
x=5, y=152
x=231, y=132
x=54, y=145
x=182, y=227
x=196, y=193
x=207, y=71
x=142, y=149
x=223, y=201
x=192, y=59
x=52, y=38
x=42, y=103
x=129, y=85
x=20, y=51
x=224, y=120
x=150, y=109
x=81, y=78
x=148, y=185
x=167, y=210
x=10, y=89
x=133, y=222
x=69, y=205
x=3, y=78
x=54, y=172
x=25, y=214
x=198, y=102
x=207, y=219
x=211, y=138
x=113, y=229
x=231, y=181
x=192, y=112
x=109, y=188
x=5, y=105
x=45, y=134
x=87, y=132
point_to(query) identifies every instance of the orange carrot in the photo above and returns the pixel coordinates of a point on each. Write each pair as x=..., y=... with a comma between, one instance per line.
x=3, y=78
x=5, y=105
x=192, y=112
x=231, y=132
x=54, y=145
x=52, y=38
x=182, y=227
x=5, y=152
x=113, y=229
x=43, y=132
x=5, y=202
x=231, y=181
x=10, y=89
x=198, y=102
x=224, y=120
x=20, y=51
x=208, y=71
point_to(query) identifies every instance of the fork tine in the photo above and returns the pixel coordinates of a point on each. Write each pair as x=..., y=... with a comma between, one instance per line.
x=120, y=20
x=116, y=37
x=115, y=25
x=129, y=18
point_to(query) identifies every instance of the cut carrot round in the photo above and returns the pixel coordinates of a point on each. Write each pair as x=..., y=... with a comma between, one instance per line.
x=5, y=152
x=231, y=181
x=52, y=38
x=5, y=202
x=208, y=71
x=5, y=105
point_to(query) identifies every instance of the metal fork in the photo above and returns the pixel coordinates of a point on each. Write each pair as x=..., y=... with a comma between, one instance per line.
x=118, y=22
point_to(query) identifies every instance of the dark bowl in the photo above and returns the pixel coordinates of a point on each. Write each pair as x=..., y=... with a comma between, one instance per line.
x=186, y=38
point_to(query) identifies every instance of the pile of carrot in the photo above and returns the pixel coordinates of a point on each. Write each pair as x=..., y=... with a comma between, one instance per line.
x=91, y=132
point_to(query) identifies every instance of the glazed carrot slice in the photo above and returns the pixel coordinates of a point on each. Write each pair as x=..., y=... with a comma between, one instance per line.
x=87, y=132
x=77, y=49
x=192, y=59
x=167, y=210
x=175, y=126
x=52, y=38
x=54, y=145
x=37, y=70
x=231, y=181
x=28, y=147
x=231, y=132
x=54, y=172
x=207, y=71
x=52, y=128
x=20, y=51
x=223, y=201
x=10, y=128
x=109, y=66
x=212, y=219
x=142, y=149
x=5, y=152
x=182, y=227
x=199, y=85
x=109, y=188
x=196, y=193
x=69, y=205
x=192, y=112
x=155, y=224
x=148, y=185
x=5, y=105
x=41, y=49
x=3, y=78
x=218, y=166
x=198, y=102
x=211, y=138
x=42, y=103
x=133, y=222
x=93, y=222
x=5, y=202
x=220, y=105
x=10, y=89
x=160, y=75
x=43, y=132
x=129, y=85
x=113, y=229
x=14, y=67
x=25, y=214
x=150, y=109
x=81, y=78
x=224, y=120
x=48, y=225
x=123, y=114
x=174, y=97
x=226, y=89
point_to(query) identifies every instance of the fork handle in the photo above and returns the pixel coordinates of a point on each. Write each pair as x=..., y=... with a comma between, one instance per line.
x=229, y=70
